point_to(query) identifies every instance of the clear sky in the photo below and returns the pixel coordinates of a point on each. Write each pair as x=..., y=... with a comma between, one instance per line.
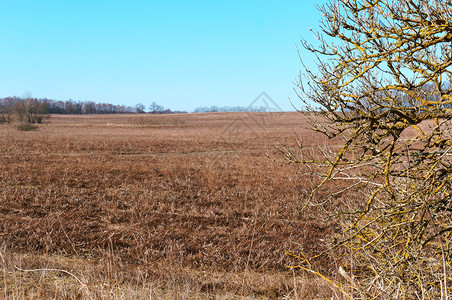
x=180, y=54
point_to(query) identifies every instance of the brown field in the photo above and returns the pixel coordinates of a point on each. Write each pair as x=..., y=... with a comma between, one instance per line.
x=157, y=207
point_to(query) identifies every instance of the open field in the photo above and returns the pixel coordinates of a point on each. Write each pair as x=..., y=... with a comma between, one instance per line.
x=156, y=206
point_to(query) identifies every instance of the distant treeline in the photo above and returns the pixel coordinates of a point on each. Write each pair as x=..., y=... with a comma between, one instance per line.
x=50, y=106
x=43, y=106
x=229, y=109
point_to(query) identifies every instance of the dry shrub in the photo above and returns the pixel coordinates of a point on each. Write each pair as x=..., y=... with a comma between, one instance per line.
x=26, y=127
x=383, y=85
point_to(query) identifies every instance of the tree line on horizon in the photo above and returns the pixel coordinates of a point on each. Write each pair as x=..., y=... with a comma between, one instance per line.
x=205, y=109
x=26, y=107
x=42, y=106
x=9, y=104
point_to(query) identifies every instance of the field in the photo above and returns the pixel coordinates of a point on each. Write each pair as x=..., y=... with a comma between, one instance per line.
x=155, y=206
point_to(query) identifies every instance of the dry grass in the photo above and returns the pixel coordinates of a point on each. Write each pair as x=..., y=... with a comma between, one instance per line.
x=180, y=206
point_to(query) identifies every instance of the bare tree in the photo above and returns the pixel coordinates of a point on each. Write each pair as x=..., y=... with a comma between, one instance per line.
x=139, y=108
x=382, y=87
x=31, y=111
x=155, y=108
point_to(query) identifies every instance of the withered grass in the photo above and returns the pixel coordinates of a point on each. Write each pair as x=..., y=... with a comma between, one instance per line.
x=158, y=207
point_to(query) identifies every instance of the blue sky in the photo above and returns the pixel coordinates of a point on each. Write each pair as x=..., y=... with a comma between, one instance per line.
x=180, y=54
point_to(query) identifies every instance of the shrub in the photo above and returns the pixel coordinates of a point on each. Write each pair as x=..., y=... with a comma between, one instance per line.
x=383, y=88
x=26, y=127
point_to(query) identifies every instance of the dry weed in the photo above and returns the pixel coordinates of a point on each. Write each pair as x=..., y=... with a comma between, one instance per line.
x=154, y=211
